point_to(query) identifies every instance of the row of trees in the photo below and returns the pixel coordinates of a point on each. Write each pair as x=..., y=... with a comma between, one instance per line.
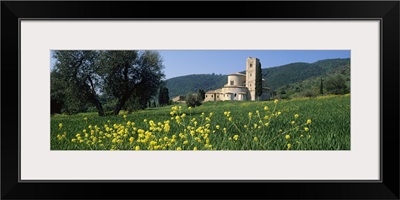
x=122, y=78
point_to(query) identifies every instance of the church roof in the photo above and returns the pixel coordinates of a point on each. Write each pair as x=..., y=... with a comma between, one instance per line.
x=237, y=74
x=214, y=91
x=210, y=92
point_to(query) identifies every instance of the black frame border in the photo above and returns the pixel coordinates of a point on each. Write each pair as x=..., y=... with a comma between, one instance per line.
x=386, y=11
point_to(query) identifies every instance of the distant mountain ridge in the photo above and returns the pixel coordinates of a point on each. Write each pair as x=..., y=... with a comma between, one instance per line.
x=275, y=77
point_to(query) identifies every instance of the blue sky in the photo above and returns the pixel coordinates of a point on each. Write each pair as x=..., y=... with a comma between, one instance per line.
x=185, y=62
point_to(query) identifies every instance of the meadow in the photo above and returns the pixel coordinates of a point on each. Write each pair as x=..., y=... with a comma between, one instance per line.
x=319, y=123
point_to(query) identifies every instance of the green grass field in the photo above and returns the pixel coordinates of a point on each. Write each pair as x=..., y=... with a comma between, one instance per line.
x=321, y=123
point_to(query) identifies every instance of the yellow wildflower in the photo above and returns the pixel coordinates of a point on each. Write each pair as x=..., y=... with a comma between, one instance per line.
x=166, y=128
x=276, y=101
x=306, y=129
x=236, y=137
x=287, y=137
x=289, y=146
x=308, y=121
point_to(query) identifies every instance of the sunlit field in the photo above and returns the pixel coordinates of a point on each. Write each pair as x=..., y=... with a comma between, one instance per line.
x=321, y=123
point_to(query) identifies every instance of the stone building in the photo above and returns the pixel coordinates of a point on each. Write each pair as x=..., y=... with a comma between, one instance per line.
x=240, y=87
x=180, y=99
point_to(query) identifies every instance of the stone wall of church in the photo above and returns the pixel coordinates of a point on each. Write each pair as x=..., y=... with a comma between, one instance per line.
x=234, y=93
x=236, y=80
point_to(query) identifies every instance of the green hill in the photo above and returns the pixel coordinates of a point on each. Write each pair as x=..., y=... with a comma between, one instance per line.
x=192, y=83
x=312, y=86
x=276, y=77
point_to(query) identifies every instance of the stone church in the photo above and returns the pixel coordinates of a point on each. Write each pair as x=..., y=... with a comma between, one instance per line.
x=240, y=87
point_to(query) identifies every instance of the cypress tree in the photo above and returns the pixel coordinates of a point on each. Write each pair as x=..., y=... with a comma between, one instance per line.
x=321, y=90
x=258, y=80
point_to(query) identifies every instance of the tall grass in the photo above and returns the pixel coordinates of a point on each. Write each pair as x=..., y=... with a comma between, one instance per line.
x=321, y=123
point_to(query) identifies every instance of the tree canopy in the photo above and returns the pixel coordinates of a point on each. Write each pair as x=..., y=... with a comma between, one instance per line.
x=80, y=77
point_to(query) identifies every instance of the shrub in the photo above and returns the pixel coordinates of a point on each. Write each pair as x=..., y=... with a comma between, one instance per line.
x=193, y=100
x=336, y=85
x=309, y=93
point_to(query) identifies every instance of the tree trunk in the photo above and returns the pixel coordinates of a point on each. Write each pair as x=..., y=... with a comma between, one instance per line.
x=99, y=107
x=91, y=94
x=95, y=101
x=121, y=103
x=127, y=93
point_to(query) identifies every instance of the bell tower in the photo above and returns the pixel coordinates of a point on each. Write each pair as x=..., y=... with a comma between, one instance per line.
x=251, y=70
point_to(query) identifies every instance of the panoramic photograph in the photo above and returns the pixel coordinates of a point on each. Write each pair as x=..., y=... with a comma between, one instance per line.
x=221, y=100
